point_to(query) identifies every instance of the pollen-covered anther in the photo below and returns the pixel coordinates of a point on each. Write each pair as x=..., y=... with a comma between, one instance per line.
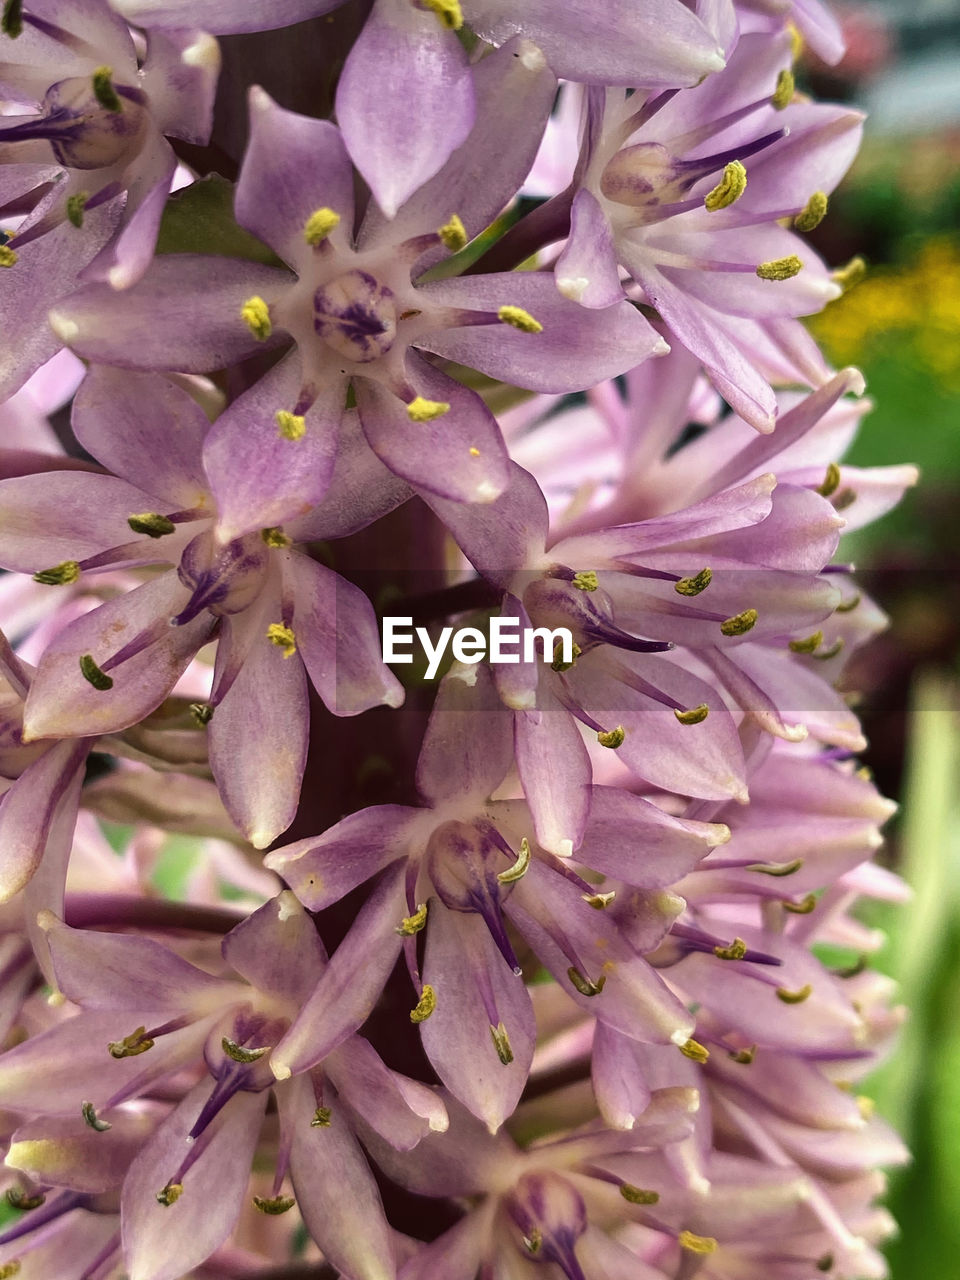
x=831, y=651
x=131, y=1046
x=11, y=24
x=273, y=1206
x=807, y=644
x=448, y=12
x=276, y=538
x=104, y=91
x=783, y=93
x=735, y=951
x=170, y=1194
x=201, y=713
x=282, y=636
x=612, y=738
x=559, y=665
x=453, y=234
x=846, y=277
x=291, y=426
x=19, y=1200
x=812, y=213
x=517, y=318
x=831, y=481
x=421, y=410
x=61, y=575
x=321, y=1118
x=501, y=1042
x=93, y=675
x=693, y=1243
x=693, y=586
x=599, y=900
x=693, y=715
x=780, y=268
x=729, y=189
x=744, y=1056
x=10, y=1269
x=695, y=1051
x=255, y=314
x=76, y=204
x=89, y=1113
x=151, y=523
x=411, y=925
x=776, y=868
x=586, y=580
x=425, y=1005
x=239, y=1054
x=803, y=907
x=584, y=985
x=848, y=606
x=319, y=225
x=8, y=256
x=637, y=1195
x=794, y=997
x=519, y=868
x=740, y=623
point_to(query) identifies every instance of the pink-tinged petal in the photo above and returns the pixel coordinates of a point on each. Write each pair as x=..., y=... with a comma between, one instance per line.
x=209, y=333
x=662, y=46
x=619, y=1080
x=335, y=1189
x=555, y=771
x=223, y=17
x=277, y=949
x=353, y=982
x=468, y=746
x=799, y=537
x=124, y=419
x=873, y=491
x=458, y=1253
x=402, y=1111
x=577, y=347
x=517, y=684
x=260, y=477
x=179, y=76
x=293, y=166
x=632, y=839
x=338, y=639
x=166, y=1241
x=601, y=1255
x=29, y=809
x=68, y=1246
x=64, y=1151
x=62, y=702
x=259, y=732
x=751, y=697
x=821, y=146
x=46, y=890
x=459, y=455
x=820, y=29
x=586, y=271
x=397, y=150
x=321, y=869
x=460, y=961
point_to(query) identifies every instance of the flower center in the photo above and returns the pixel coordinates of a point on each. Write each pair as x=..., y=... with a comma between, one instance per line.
x=86, y=133
x=356, y=316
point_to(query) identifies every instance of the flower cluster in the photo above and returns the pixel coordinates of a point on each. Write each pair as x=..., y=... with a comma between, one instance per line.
x=472, y=314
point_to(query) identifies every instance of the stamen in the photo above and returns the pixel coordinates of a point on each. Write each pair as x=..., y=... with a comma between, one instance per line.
x=744, y=1056
x=425, y=1005
x=803, y=907
x=558, y=664
x=202, y=713
x=693, y=586
x=75, y=207
x=740, y=623
x=519, y=868
x=20, y=1201
x=170, y=1194
x=11, y=24
x=131, y=1046
x=420, y=410
x=321, y=1118
x=776, y=868
x=447, y=11
x=290, y=425
x=808, y=644
x=584, y=985
x=256, y=316
x=587, y=580
x=283, y=638
x=239, y=1054
x=152, y=524
x=61, y=575
x=8, y=257
x=794, y=997
x=735, y=951
x=10, y=1269
x=411, y=925
x=826, y=654
x=831, y=481
x=599, y=900
x=453, y=234
x=275, y=1206
x=849, y=605
x=780, y=268
x=637, y=1195
x=501, y=1042
x=729, y=189
x=812, y=213
x=103, y=90
x=783, y=94
x=276, y=538
x=517, y=318
x=846, y=277
x=93, y=675
x=534, y=1241
x=319, y=225
x=612, y=738
x=696, y=715
x=695, y=1051
x=696, y=1244
x=89, y=1113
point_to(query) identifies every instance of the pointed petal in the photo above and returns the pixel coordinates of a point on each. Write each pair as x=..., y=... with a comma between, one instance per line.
x=586, y=271
x=468, y=746
x=555, y=771
x=28, y=812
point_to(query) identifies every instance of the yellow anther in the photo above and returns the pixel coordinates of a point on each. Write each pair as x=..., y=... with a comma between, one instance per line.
x=831, y=652
x=866, y=1106
x=103, y=90
x=831, y=481
x=19, y=1200
x=812, y=213
x=776, y=868
x=695, y=715
x=803, y=907
x=275, y=1205
x=780, y=268
x=290, y=425
x=411, y=925
x=10, y=1269
x=558, y=664
x=474, y=451
x=420, y=410
x=75, y=207
x=321, y=1118
x=282, y=636
x=256, y=316
x=170, y=1194
x=93, y=675
x=846, y=277
x=517, y=318
x=152, y=524
x=849, y=605
x=89, y=1113
x=693, y=586
x=783, y=94
x=8, y=257
x=201, y=713
x=519, y=868
x=319, y=225
x=239, y=1054
x=794, y=997
x=448, y=11
x=586, y=580
x=501, y=1042
x=453, y=234
x=796, y=41
x=740, y=623
x=425, y=1005
x=132, y=1045
x=695, y=1051
x=276, y=538
x=744, y=1056
x=61, y=575
x=612, y=738
x=735, y=951
x=584, y=985
x=637, y=1195
x=729, y=189
x=696, y=1244
x=808, y=644
x=599, y=900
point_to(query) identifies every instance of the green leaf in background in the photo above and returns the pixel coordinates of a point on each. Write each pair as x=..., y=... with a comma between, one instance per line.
x=199, y=219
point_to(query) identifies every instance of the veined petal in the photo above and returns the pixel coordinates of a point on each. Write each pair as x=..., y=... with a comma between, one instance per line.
x=468, y=746
x=586, y=271
x=223, y=17
x=29, y=809
x=635, y=841
x=179, y=76
x=555, y=771
x=64, y=1151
